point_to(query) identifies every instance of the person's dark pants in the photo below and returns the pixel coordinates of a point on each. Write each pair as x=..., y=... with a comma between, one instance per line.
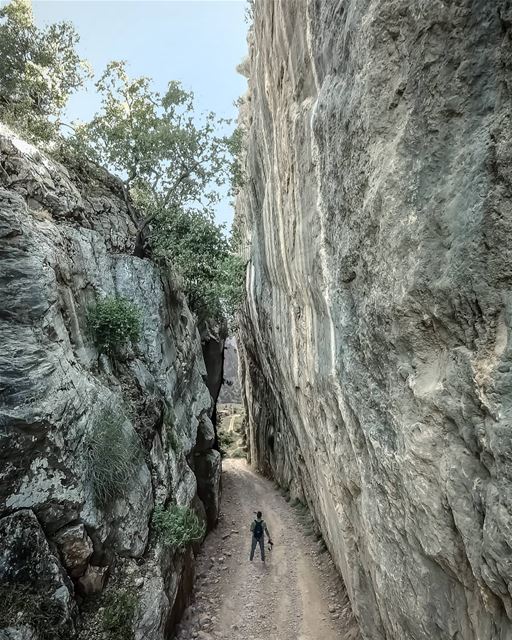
x=261, y=542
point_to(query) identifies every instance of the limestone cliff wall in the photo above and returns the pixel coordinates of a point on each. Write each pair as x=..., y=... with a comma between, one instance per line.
x=375, y=343
x=66, y=241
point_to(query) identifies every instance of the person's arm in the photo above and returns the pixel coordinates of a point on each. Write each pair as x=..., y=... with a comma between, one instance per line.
x=267, y=532
x=252, y=525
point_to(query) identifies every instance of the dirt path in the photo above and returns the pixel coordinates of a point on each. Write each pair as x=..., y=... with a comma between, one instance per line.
x=295, y=595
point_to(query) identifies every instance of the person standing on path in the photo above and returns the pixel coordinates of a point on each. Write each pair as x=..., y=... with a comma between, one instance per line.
x=258, y=529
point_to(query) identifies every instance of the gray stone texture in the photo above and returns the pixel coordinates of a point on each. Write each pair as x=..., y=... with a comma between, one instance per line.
x=32, y=579
x=67, y=240
x=375, y=350
x=230, y=392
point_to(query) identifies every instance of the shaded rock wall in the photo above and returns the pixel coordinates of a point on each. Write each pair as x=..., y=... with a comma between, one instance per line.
x=66, y=241
x=230, y=392
x=375, y=341
x=213, y=354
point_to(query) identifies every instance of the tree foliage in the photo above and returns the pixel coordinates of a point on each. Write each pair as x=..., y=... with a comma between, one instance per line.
x=39, y=70
x=235, y=144
x=212, y=272
x=156, y=142
x=174, y=166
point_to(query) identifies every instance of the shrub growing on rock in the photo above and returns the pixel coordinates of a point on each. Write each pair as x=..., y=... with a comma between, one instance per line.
x=174, y=165
x=113, y=457
x=114, y=322
x=178, y=526
x=118, y=614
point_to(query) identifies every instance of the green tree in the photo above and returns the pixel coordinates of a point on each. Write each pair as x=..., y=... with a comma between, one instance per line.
x=235, y=144
x=39, y=70
x=156, y=144
x=173, y=166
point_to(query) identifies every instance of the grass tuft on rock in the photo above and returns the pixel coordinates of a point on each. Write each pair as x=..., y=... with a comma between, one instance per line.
x=21, y=605
x=114, y=455
x=118, y=614
x=178, y=526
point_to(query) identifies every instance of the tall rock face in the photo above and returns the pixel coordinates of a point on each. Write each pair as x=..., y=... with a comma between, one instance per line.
x=230, y=392
x=375, y=340
x=67, y=241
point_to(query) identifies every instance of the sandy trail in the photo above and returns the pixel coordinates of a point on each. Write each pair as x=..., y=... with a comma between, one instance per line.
x=295, y=595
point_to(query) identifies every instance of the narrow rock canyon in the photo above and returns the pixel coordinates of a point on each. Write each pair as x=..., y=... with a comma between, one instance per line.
x=374, y=214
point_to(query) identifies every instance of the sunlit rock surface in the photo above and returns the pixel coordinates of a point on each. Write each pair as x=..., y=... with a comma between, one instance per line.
x=375, y=341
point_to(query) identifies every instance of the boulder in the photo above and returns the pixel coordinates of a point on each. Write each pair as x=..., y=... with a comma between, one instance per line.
x=75, y=548
x=35, y=591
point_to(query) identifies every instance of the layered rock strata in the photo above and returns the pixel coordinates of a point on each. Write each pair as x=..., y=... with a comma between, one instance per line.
x=375, y=340
x=67, y=241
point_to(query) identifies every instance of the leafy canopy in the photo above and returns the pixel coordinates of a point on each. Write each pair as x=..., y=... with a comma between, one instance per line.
x=156, y=142
x=212, y=273
x=174, y=167
x=39, y=70
x=174, y=164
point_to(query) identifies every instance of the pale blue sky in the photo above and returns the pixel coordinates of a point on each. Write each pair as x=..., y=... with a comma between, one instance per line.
x=198, y=42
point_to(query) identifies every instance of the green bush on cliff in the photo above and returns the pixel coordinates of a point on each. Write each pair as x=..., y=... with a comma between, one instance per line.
x=113, y=456
x=114, y=322
x=212, y=273
x=175, y=164
x=178, y=526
